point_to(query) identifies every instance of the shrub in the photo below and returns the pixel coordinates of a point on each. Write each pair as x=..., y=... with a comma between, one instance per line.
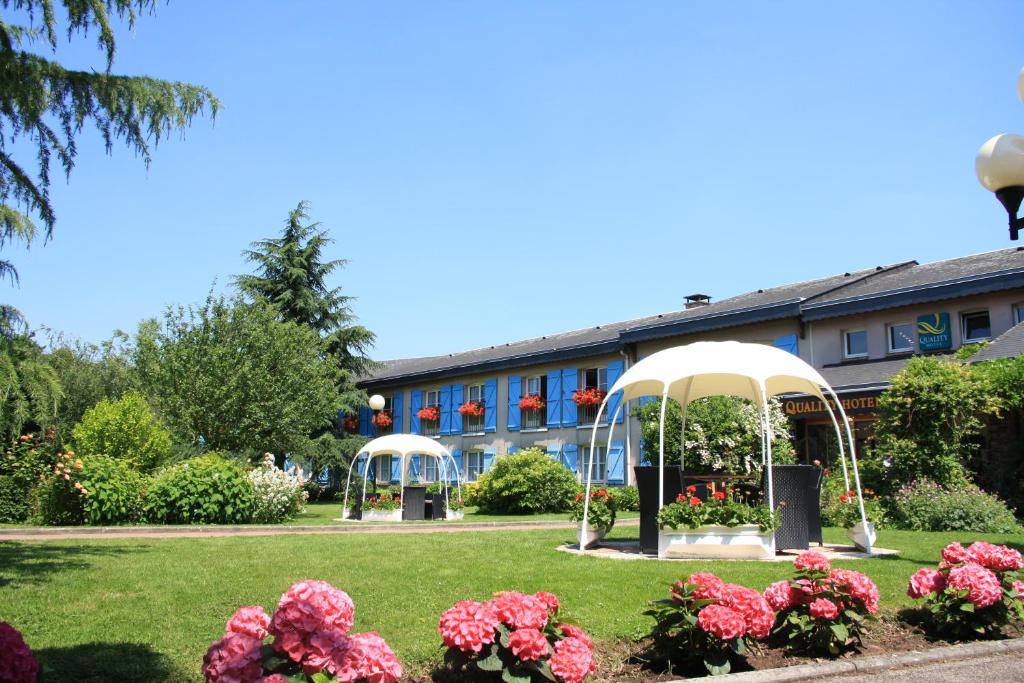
x=723, y=508
x=974, y=592
x=924, y=505
x=822, y=611
x=515, y=637
x=125, y=429
x=526, y=482
x=204, y=490
x=310, y=641
x=23, y=467
x=707, y=620
x=277, y=495
x=93, y=490
x=601, y=512
x=628, y=498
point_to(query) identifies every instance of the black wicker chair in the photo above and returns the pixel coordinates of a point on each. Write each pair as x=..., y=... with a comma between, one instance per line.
x=414, y=502
x=647, y=487
x=795, y=490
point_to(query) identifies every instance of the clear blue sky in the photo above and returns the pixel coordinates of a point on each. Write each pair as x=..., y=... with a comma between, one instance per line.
x=497, y=171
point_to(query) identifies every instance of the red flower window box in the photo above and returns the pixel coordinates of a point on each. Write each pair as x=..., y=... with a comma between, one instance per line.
x=591, y=396
x=430, y=413
x=383, y=419
x=351, y=423
x=532, y=403
x=471, y=409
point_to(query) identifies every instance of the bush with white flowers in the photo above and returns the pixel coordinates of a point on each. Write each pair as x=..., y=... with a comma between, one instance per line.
x=279, y=495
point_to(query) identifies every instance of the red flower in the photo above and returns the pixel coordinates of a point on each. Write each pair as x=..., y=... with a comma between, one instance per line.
x=691, y=489
x=531, y=403
x=429, y=413
x=383, y=419
x=719, y=495
x=824, y=609
x=471, y=409
x=579, y=497
x=591, y=396
x=351, y=423
x=721, y=622
x=844, y=498
x=602, y=494
x=681, y=498
x=694, y=502
x=528, y=644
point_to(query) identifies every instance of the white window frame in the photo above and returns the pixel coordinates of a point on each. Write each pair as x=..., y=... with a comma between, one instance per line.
x=429, y=394
x=600, y=373
x=1018, y=313
x=542, y=415
x=474, y=464
x=600, y=463
x=890, y=328
x=428, y=469
x=964, y=339
x=381, y=462
x=846, y=344
x=476, y=428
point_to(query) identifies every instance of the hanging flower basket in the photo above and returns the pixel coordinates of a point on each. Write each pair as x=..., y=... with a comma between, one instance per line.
x=592, y=396
x=351, y=423
x=532, y=403
x=383, y=419
x=430, y=413
x=471, y=409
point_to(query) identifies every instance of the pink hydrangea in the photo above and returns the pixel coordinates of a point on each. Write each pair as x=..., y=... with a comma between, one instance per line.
x=528, y=644
x=572, y=660
x=235, y=658
x=250, y=621
x=307, y=608
x=468, y=626
x=780, y=595
x=925, y=582
x=721, y=622
x=859, y=586
x=324, y=650
x=519, y=610
x=954, y=553
x=17, y=663
x=811, y=561
x=571, y=631
x=709, y=586
x=995, y=557
x=368, y=659
x=550, y=601
x=757, y=613
x=1018, y=588
x=982, y=586
x=824, y=609
x=272, y=678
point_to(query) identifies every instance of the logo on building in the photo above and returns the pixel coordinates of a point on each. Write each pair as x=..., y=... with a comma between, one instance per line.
x=933, y=333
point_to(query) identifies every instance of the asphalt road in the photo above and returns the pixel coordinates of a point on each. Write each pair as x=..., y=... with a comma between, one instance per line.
x=1002, y=668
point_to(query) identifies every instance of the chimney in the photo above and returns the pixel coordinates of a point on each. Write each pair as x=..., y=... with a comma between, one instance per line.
x=697, y=300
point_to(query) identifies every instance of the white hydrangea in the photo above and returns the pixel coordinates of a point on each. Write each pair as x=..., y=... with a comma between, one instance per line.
x=279, y=495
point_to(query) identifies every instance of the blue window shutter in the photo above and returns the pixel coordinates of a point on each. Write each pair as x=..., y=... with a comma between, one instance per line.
x=414, y=467
x=457, y=399
x=617, y=463
x=396, y=412
x=396, y=469
x=491, y=405
x=365, y=425
x=570, y=456
x=446, y=410
x=361, y=465
x=554, y=451
x=554, y=398
x=615, y=369
x=488, y=458
x=415, y=404
x=513, y=449
x=788, y=343
x=457, y=454
x=515, y=392
x=570, y=378
x=644, y=400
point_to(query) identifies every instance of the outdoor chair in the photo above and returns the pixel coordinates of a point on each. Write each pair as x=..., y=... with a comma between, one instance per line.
x=796, y=492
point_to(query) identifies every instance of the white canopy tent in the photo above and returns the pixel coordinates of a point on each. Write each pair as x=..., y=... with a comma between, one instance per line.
x=750, y=371
x=404, y=446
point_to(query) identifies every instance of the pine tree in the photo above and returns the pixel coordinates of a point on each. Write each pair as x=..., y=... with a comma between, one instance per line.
x=45, y=106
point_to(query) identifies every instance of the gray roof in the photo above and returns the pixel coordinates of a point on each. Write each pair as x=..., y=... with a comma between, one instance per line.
x=1009, y=344
x=863, y=376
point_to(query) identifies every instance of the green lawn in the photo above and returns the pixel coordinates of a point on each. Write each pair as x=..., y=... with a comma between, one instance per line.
x=327, y=513
x=147, y=609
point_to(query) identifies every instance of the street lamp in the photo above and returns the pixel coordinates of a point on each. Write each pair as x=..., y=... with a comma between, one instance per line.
x=1000, y=168
x=376, y=402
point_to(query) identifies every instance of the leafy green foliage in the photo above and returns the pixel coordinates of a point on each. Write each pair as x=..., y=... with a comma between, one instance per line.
x=799, y=630
x=722, y=509
x=525, y=482
x=104, y=491
x=839, y=506
x=627, y=498
x=723, y=434
x=231, y=375
x=204, y=490
x=88, y=374
x=24, y=465
x=44, y=106
x=924, y=505
x=385, y=501
x=30, y=391
x=601, y=511
x=126, y=429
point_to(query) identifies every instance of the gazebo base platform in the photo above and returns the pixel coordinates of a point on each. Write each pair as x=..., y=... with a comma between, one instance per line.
x=630, y=550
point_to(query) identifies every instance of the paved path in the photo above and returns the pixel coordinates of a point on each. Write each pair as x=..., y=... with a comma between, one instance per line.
x=94, y=533
x=1001, y=668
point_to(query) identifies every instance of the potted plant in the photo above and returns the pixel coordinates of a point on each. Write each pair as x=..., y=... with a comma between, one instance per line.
x=842, y=509
x=600, y=515
x=456, y=509
x=471, y=409
x=532, y=403
x=721, y=527
x=429, y=413
x=383, y=419
x=591, y=396
x=383, y=508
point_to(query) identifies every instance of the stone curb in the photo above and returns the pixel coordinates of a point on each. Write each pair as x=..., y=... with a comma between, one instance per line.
x=878, y=663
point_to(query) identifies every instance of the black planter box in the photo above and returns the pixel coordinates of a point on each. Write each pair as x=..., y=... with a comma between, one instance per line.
x=438, y=507
x=414, y=502
x=797, y=490
x=647, y=487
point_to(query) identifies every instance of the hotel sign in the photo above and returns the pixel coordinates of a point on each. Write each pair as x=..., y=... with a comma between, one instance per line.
x=933, y=332
x=853, y=404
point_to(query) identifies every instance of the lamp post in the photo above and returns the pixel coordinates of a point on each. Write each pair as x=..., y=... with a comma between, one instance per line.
x=1000, y=168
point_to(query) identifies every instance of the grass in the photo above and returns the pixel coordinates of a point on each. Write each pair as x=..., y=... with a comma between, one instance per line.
x=146, y=610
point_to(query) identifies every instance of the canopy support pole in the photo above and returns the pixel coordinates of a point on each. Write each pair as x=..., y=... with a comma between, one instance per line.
x=765, y=427
x=661, y=450
x=839, y=440
x=856, y=474
x=590, y=465
x=348, y=481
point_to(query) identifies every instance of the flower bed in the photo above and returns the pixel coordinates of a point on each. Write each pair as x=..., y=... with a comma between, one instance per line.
x=382, y=508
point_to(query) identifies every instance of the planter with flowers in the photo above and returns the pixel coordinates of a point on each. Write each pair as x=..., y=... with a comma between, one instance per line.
x=471, y=409
x=431, y=418
x=456, y=509
x=516, y=638
x=600, y=515
x=532, y=403
x=591, y=396
x=840, y=508
x=383, y=508
x=722, y=527
x=383, y=419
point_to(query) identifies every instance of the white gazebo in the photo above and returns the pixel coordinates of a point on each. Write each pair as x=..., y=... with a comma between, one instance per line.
x=751, y=371
x=404, y=446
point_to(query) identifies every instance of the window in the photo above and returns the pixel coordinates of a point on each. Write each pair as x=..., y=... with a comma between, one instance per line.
x=474, y=465
x=975, y=327
x=1018, y=314
x=591, y=378
x=535, y=419
x=901, y=338
x=385, y=413
x=600, y=463
x=382, y=468
x=473, y=423
x=855, y=344
x=431, y=399
x=429, y=468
